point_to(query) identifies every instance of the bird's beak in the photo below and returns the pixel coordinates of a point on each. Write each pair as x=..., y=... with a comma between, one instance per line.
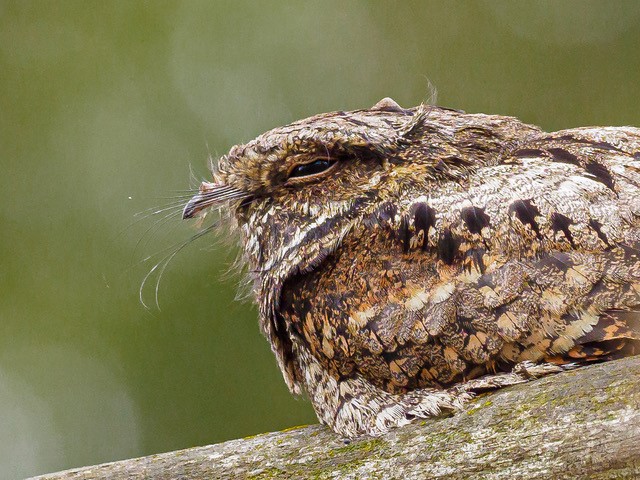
x=211, y=194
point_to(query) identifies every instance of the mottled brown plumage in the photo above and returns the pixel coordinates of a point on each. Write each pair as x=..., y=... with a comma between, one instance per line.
x=405, y=258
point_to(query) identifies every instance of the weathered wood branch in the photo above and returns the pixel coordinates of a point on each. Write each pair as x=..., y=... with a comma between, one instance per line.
x=579, y=424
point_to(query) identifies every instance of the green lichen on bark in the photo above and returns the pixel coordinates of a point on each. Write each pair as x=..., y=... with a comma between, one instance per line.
x=583, y=423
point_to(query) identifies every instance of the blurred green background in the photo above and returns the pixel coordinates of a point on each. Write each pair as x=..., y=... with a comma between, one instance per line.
x=104, y=109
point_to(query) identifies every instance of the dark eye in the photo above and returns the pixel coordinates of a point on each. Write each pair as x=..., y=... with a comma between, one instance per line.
x=311, y=168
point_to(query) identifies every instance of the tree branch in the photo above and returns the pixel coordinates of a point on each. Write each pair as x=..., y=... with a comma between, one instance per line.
x=578, y=424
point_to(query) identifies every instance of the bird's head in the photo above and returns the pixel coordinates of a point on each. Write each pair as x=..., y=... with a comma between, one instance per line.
x=297, y=192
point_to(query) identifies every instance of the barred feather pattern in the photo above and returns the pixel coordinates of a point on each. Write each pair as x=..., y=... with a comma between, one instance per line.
x=440, y=254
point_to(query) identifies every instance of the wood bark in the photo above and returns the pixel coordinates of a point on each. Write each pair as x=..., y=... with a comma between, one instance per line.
x=579, y=424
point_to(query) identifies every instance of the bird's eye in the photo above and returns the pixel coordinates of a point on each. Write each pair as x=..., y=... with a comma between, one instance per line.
x=312, y=168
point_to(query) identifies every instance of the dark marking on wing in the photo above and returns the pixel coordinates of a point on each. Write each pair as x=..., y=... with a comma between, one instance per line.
x=529, y=152
x=607, y=146
x=475, y=218
x=424, y=219
x=356, y=122
x=597, y=227
x=403, y=234
x=560, y=223
x=600, y=173
x=561, y=155
x=596, y=144
x=447, y=246
x=526, y=212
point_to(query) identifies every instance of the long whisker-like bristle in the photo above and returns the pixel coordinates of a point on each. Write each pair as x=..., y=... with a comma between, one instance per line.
x=162, y=265
x=153, y=228
x=150, y=212
x=213, y=196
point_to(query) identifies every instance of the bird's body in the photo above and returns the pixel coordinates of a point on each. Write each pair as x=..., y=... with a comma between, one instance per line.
x=402, y=258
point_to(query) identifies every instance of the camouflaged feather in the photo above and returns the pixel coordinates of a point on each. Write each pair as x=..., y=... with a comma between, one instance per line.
x=439, y=252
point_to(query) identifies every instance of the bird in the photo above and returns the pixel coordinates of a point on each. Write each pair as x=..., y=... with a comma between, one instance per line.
x=405, y=259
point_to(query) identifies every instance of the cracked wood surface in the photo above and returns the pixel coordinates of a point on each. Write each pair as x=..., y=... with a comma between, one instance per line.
x=578, y=424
